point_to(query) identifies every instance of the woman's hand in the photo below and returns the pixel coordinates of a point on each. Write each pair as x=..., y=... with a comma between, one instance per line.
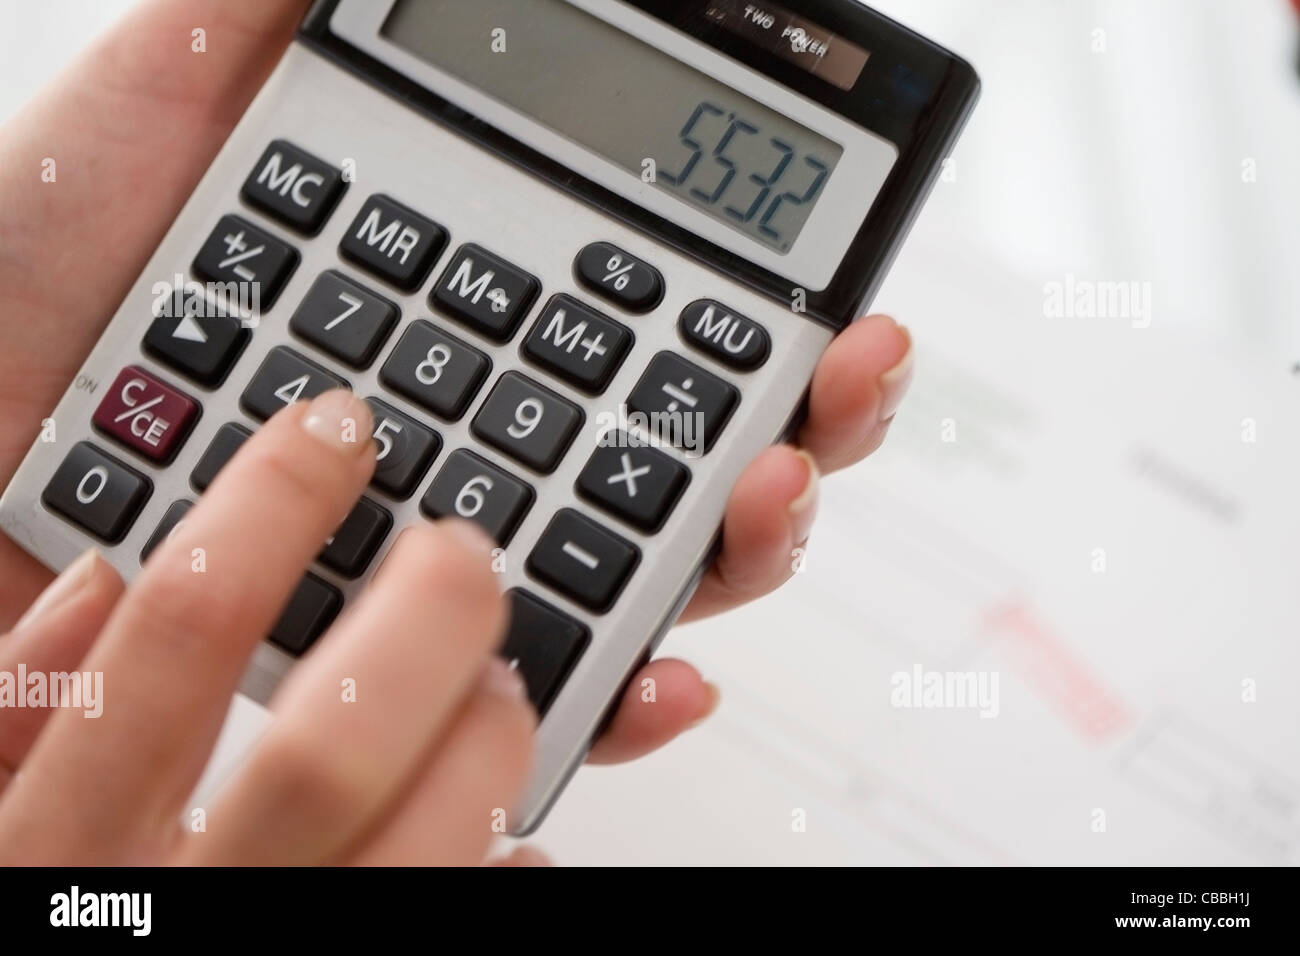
x=132, y=125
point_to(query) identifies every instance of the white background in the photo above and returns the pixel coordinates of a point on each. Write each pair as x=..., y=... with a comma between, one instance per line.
x=1116, y=164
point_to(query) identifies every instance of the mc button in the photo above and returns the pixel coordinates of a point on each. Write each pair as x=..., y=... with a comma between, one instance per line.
x=148, y=417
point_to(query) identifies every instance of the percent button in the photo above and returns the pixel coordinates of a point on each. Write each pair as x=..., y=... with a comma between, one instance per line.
x=620, y=277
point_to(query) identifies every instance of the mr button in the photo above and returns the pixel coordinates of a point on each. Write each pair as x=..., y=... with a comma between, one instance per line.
x=294, y=186
x=393, y=242
x=150, y=418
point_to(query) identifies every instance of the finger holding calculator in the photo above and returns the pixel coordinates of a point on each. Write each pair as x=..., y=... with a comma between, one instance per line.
x=519, y=339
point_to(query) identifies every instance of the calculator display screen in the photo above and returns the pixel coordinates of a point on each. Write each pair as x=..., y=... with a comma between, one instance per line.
x=737, y=160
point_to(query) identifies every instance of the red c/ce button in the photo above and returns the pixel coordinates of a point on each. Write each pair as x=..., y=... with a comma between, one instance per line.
x=145, y=415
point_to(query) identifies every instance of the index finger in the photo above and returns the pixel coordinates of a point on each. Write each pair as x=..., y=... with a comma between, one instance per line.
x=176, y=646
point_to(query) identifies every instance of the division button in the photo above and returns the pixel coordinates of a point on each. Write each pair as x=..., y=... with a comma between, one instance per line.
x=682, y=404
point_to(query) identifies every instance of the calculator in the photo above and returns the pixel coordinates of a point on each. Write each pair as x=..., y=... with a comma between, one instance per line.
x=581, y=258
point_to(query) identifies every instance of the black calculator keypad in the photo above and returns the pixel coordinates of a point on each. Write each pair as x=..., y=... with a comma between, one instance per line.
x=685, y=405
x=542, y=645
x=201, y=347
x=469, y=487
x=344, y=319
x=577, y=343
x=97, y=492
x=283, y=378
x=239, y=252
x=294, y=187
x=438, y=372
x=640, y=485
x=529, y=423
x=220, y=450
x=351, y=548
x=393, y=242
x=619, y=276
x=312, y=608
x=404, y=450
x=583, y=561
x=485, y=293
x=176, y=512
x=724, y=335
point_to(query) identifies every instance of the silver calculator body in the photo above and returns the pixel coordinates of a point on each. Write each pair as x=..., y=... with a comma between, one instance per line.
x=572, y=188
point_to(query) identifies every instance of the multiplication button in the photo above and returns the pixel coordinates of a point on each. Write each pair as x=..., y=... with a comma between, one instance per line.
x=637, y=484
x=239, y=252
x=97, y=492
x=583, y=561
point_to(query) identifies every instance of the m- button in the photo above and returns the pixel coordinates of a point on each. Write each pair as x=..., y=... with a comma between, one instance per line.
x=150, y=418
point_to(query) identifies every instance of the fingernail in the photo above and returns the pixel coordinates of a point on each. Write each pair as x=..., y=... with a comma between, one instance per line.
x=341, y=420
x=714, y=698
x=503, y=680
x=894, y=383
x=67, y=584
x=803, y=509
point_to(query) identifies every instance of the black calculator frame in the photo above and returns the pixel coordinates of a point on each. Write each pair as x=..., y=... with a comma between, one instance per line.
x=913, y=93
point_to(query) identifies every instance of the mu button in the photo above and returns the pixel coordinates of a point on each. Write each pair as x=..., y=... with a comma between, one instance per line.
x=148, y=417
